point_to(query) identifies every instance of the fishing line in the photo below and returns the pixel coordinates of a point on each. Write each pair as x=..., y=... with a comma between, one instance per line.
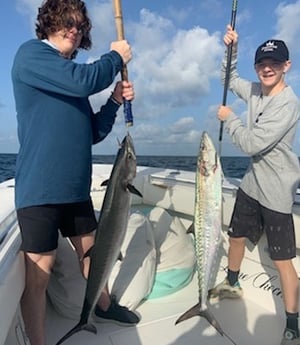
x=227, y=73
x=225, y=91
x=124, y=72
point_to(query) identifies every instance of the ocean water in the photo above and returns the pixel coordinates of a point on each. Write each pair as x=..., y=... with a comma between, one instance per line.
x=232, y=166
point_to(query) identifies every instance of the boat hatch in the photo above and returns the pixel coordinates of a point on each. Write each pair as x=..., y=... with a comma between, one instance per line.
x=171, y=178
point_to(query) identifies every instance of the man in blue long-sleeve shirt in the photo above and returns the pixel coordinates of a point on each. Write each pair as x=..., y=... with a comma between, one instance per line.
x=56, y=129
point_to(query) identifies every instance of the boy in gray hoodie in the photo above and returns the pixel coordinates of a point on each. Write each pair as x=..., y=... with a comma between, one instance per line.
x=267, y=191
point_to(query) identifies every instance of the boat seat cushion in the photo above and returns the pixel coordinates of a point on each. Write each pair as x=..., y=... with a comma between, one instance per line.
x=133, y=277
x=130, y=281
x=174, y=251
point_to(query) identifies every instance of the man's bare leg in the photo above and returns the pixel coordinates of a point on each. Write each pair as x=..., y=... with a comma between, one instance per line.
x=33, y=301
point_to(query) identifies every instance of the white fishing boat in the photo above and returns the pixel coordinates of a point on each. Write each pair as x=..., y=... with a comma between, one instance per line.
x=168, y=204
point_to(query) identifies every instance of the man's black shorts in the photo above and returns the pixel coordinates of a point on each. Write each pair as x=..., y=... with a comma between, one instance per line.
x=39, y=225
x=250, y=219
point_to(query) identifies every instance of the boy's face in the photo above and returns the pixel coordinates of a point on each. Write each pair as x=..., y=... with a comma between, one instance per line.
x=68, y=38
x=270, y=72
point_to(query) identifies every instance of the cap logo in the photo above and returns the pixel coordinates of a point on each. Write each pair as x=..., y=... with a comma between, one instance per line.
x=269, y=47
x=273, y=49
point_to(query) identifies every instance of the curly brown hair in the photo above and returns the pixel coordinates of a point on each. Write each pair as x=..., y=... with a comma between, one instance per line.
x=54, y=14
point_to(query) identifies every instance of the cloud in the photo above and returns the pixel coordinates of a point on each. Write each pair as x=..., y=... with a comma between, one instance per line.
x=243, y=17
x=183, y=125
x=156, y=140
x=103, y=30
x=172, y=68
x=215, y=7
x=288, y=25
x=29, y=8
x=288, y=28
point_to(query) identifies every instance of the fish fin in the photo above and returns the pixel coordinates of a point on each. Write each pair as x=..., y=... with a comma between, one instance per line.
x=104, y=183
x=79, y=327
x=191, y=229
x=197, y=311
x=194, y=311
x=133, y=190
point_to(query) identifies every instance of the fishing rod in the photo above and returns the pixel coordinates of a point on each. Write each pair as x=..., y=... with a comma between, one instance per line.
x=124, y=73
x=227, y=72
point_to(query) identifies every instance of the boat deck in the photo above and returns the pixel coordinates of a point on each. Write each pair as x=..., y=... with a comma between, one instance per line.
x=242, y=320
x=257, y=318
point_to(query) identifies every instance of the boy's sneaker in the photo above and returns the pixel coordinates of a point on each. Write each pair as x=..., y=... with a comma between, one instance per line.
x=116, y=314
x=225, y=290
x=290, y=338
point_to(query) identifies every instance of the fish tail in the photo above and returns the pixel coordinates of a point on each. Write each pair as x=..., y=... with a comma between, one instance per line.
x=197, y=311
x=212, y=320
x=79, y=327
x=194, y=311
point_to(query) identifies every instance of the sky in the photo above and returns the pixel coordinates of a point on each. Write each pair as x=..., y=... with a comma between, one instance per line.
x=177, y=52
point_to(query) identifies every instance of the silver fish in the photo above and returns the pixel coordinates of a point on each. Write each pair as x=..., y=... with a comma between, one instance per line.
x=110, y=232
x=207, y=225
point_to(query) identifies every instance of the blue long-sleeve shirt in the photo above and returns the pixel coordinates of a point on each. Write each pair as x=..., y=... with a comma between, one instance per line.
x=56, y=123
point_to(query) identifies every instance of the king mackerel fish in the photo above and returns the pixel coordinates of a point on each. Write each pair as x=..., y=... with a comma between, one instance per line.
x=110, y=232
x=207, y=225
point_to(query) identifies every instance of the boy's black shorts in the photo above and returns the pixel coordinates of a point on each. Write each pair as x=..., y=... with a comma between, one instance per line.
x=250, y=219
x=39, y=225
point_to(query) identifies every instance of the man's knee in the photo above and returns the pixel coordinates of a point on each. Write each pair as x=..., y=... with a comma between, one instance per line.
x=237, y=241
x=38, y=268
